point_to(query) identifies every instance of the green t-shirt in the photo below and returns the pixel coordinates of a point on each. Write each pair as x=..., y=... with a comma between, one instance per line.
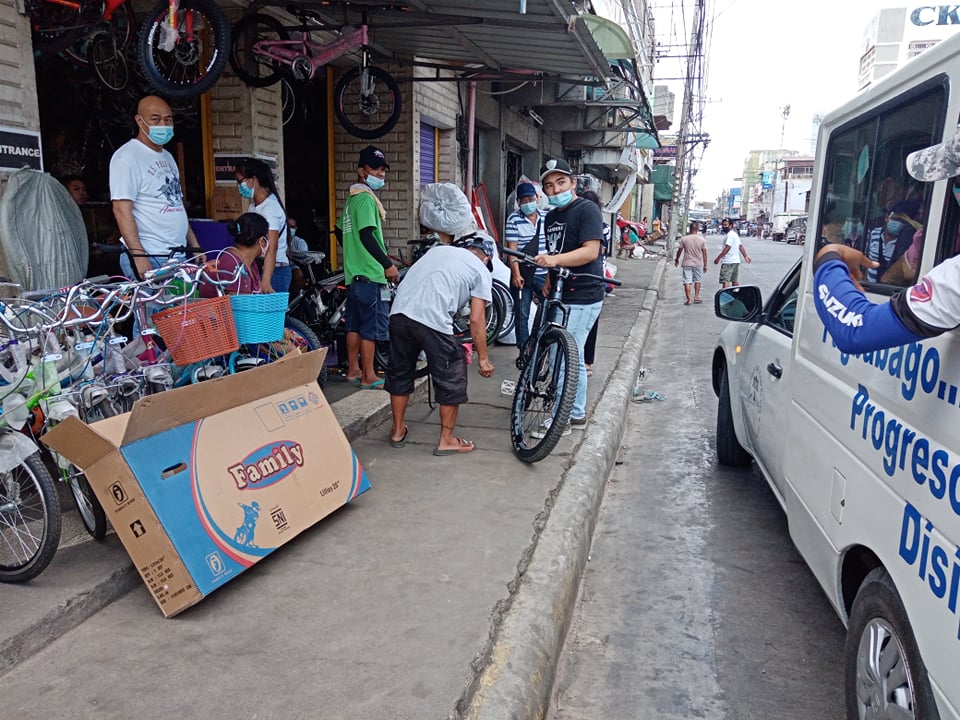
x=361, y=211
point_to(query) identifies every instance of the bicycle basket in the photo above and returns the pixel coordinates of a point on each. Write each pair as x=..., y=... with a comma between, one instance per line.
x=259, y=318
x=197, y=330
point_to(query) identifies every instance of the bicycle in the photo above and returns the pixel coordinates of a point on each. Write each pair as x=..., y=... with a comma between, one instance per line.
x=549, y=372
x=367, y=99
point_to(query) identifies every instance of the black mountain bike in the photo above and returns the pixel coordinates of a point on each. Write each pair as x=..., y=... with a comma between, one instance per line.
x=549, y=372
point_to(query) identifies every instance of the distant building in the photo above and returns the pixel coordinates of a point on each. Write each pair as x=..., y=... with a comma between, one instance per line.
x=896, y=35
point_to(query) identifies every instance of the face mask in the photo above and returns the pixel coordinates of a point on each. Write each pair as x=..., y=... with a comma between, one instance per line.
x=894, y=227
x=561, y=200
x=374, y=183
x=956, y=193
x=263, y=249
x=246, y=192
x=160, y=134
x=528, y=208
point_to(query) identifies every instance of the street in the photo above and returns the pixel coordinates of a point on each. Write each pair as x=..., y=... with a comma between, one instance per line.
x=695, y=602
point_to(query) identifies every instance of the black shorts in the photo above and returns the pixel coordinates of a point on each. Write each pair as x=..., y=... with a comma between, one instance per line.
x=446, y=357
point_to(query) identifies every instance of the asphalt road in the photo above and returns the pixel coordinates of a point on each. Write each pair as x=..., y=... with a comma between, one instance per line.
x=695, y=602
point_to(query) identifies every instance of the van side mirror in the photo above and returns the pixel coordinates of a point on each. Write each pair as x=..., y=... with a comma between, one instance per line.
x=738, y=303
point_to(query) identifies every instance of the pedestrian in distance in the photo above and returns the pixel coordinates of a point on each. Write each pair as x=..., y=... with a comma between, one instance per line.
x=255, y=182
x=366, y=268
x=732, y=255
x=524, y=232
x=693, y=248
x=421, y=320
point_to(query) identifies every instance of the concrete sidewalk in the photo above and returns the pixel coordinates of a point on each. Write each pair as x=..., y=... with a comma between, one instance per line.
x=445, y=591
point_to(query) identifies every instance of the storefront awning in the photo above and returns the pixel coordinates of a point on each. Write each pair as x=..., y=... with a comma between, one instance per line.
x=613, y=41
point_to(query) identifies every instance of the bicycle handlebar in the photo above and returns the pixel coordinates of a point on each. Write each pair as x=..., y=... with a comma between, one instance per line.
x=562, y=271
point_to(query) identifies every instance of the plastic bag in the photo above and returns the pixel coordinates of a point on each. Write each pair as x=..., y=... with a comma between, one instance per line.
x=444, y=208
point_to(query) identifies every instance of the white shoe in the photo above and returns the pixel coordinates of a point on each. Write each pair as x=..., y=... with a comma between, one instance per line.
x=545, y=425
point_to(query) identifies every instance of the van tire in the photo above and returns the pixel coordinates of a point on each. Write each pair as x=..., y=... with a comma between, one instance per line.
x=878, y=615
x=729, y=450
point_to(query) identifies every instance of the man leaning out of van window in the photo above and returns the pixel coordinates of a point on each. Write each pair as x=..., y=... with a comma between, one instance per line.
x=927, y=309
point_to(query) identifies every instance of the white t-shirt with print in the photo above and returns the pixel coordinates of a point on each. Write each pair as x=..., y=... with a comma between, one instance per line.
x=276, y=219
x=733, y=254
x=151, y=180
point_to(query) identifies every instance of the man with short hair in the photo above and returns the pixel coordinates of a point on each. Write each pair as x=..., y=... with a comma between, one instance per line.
x=146, y=191
x=693, y=247
x=366, y=268
x=524, y=232
x=733, y=254
x=421, y=320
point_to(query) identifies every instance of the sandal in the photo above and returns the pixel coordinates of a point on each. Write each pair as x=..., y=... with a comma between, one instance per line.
x=464, y=446
x=403, y=439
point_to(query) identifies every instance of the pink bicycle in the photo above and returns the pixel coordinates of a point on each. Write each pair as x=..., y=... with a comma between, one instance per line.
x=367, y=99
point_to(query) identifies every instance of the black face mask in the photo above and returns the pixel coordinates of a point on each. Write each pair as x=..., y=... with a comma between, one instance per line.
x=489, y=264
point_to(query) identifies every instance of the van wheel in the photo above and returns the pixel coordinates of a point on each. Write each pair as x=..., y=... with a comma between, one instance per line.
x=885, y=675
x=729, y=449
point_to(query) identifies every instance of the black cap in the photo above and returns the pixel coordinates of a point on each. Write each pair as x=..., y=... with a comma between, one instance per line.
x=373, y=157
x=552, y=166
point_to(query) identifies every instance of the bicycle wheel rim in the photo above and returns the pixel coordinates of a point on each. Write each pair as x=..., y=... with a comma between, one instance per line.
x=249, y=67
x=372, y=115
x=91, y=512
x=29, y=520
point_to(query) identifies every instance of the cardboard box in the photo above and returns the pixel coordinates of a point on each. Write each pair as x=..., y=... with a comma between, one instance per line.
x=203, y=481
x=227, y=203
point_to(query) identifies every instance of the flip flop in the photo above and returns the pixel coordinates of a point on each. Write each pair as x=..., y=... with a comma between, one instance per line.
x=353, y=381
x=465, y=447
x=402, y=441
x=375, y=385
x=697, y=302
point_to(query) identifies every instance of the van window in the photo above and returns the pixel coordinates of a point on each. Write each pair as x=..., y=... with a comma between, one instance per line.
x=871, y=202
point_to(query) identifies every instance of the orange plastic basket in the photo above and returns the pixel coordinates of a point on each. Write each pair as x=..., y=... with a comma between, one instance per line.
x=198, y=330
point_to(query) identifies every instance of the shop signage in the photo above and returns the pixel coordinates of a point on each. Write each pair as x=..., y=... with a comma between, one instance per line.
x=19, y=148
x=936, y=15
x=667, y=151
x=225, y=168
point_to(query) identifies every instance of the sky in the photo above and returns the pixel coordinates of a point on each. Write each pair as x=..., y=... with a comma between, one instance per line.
x=763, y=55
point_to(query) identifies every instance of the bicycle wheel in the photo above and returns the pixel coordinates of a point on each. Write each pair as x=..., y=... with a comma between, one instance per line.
x=185, y=61
x=29, y=520
x=56, y=26
x=509, y=312
x=544, y=396
x=495, y=312
x=122, y=27
x=90, y=509
x=367, y=102
x=288, y=101
x=381, y=360
x=296, y=332
x=107, y=62
x=253, y=69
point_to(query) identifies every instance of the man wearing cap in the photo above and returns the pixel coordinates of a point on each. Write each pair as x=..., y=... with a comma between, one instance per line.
x=421, y=320
x=574, y=233
x=366, y=268
x=929, y=308
x=524, y=232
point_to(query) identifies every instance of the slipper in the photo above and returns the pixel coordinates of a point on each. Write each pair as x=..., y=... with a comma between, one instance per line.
x=375, y=385
x=402, y=441
x=465, y=447
x=687, y=302
x=353, y=381
x=697, y=302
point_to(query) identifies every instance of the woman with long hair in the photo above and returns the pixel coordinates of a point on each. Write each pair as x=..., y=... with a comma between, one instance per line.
x=255, y=183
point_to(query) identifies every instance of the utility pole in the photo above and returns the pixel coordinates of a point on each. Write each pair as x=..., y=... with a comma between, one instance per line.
x=682, y=150
x=785, y=110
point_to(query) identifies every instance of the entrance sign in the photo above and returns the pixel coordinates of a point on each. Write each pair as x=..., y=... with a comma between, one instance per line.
x=19, y=148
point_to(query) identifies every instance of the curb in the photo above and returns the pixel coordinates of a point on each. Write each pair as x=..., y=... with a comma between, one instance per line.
x=356, y=413
x=517, y=669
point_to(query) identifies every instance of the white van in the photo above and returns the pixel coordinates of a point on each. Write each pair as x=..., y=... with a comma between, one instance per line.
x=863, y=451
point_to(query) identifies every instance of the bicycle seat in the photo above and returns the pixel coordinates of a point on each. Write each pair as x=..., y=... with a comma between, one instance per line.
x=303, y=13
x=307, y=257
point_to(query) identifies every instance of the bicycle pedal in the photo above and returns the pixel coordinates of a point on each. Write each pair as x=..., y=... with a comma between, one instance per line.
x=508, y=387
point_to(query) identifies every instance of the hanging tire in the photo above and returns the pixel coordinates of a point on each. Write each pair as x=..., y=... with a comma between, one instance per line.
x=249, y=30
x=57, y=26
x=729, y=450
x=544, y=396
x=29, y=520
x=107, y=62
x=367, y=115
x=196, y=60
x=122, y=27
x=90, y=509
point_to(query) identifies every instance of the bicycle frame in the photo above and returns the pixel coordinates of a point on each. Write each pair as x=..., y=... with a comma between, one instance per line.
x=319, y=54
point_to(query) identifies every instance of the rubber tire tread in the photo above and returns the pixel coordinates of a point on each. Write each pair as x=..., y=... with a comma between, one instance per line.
x=729, y=450
x=313, y=343
x=238, y=31
x=80, y=485
x=51, y=539
x=221, y=32
x=568, y=347
x=80, y=58
x=509, y=323
x=338, y=100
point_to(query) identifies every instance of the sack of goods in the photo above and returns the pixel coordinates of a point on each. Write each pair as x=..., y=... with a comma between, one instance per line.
x=444, y=208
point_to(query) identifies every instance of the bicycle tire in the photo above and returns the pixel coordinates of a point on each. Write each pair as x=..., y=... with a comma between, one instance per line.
x=538, y=396
x=308, y=340
x=91, y=511
x=249, y=30
x=288, y=101
x=351, y=108
x=381, y=360
x=56, y=26
x=494, y=318
x=42, y=505
x=185, y=72
x=122, y=26
x=509, y=311
x=107, y=62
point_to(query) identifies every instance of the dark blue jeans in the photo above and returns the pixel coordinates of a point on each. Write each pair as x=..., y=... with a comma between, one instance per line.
x=521, y=307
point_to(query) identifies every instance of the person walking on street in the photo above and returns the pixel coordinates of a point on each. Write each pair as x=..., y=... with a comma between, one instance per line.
x=524, y=232
x=146, y=191
x=255, y=183
x=421, y=320
x=366, y=268
x=574, y=234
x=693, y=247
x=732, y=255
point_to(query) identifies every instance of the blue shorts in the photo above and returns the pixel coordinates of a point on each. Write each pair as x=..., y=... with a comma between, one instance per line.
x=365, y=312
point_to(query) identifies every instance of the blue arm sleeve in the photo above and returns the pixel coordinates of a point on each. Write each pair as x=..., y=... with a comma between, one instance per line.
x=855, y=324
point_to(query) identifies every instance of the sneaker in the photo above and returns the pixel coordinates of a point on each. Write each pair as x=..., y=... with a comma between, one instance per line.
x=578, y=423
x=544, y=426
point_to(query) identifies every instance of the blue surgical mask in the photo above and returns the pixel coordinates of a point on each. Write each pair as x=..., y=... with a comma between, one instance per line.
x=528, y=208
x=246, y=192
x=894, y=227
x=374, y=183
x=561, y=200
x=160, y=134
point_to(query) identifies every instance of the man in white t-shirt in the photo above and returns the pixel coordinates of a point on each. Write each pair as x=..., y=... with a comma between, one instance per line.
x=146, y=192
x=732, y=255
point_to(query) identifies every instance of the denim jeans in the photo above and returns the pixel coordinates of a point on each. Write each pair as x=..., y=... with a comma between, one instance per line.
x=579, y=322
x=522, y=299
x=282, y=276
